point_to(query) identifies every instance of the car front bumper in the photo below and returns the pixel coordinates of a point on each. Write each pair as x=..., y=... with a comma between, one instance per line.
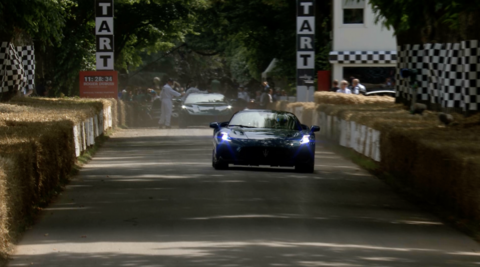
x=255, y=155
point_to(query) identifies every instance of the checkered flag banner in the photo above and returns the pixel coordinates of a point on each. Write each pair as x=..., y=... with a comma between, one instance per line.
x=449, y=74
x=12, y=74
x=27, y=54
x=363, y=57
x=471, y=75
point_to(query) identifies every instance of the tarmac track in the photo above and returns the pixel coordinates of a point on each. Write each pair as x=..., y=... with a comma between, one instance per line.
x=151, y=198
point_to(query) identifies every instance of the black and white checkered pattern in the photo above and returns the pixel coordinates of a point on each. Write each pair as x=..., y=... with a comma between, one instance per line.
x=411, y=57
x=3, y=60
x=13, y=74
x=432, y=61
x=471, y=75
x=452, y=77
x=449, y=73
x=401, y=84
x=363, y=57
x=27, y=54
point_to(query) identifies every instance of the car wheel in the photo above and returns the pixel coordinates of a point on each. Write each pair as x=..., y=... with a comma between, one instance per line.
x=218, y=165
x=305, y=168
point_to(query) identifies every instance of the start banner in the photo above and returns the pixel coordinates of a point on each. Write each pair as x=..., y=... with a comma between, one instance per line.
x=99, y=84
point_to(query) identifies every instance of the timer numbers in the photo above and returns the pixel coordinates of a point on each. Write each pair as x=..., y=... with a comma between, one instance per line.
x=99, y=79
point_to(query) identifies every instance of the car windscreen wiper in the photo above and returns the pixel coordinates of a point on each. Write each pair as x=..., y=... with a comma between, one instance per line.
x=241, y=126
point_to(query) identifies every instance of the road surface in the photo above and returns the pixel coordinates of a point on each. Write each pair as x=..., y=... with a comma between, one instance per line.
x=151, y=198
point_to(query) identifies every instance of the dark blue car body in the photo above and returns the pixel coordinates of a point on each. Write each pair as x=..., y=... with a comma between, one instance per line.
x=256, y=146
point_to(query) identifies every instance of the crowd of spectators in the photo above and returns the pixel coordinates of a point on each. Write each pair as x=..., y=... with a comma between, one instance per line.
x=345, y=88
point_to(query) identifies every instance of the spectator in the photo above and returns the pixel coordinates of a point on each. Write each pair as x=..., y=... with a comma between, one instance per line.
x=276, y=95
x=258, y=96
x=270, y=96
x=243, y=95
x=266, y=98
x=344, y=88
x=167, y=105
x=265, y=86
x=334, y=86
x=358, y=88
x=125, y=95
x=388, y=83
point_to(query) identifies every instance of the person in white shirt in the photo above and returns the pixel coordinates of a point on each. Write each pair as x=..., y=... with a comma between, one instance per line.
x=167, y=95
x=343, y=88
x=358, y=88
x=242, y=94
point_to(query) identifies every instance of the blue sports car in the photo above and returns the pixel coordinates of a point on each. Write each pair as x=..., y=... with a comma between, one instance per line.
x=264, y=137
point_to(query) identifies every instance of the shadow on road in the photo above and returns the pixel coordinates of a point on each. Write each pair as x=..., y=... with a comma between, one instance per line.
x=156, y=201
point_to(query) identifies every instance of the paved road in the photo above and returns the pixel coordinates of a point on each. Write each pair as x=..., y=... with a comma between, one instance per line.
x=151, y=198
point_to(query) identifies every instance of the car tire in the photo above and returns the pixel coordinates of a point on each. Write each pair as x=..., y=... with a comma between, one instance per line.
x=218, y=165
x=305, y=168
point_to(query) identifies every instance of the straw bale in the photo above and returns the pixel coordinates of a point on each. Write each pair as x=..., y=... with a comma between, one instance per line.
x=351, y=99
x=114, y=106
x=442, y=163
x=15, y=192
x=4, y=233
x=35, y=159
x=122, y=117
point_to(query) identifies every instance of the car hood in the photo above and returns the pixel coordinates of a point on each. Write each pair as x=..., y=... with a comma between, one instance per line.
x=207, y=108
x=265, y=134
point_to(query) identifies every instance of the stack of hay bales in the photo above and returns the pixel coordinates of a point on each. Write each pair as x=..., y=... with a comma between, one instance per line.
x=441, y=163
x=122, y=114
x=37, y=152
x=344, y=99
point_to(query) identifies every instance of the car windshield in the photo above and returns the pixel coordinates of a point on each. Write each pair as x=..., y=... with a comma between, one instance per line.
x=271, y=120
x=204, y=98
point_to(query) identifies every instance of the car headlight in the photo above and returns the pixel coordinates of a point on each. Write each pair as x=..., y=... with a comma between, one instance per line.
x=226, y=137
x=229, y=107
x=184, y=107
x=305, y=139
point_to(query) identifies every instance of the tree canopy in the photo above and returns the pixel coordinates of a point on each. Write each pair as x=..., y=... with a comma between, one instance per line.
x=210, y=39
x=430, y=20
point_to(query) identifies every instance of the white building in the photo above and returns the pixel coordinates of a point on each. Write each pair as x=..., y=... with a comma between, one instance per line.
x=362, y=48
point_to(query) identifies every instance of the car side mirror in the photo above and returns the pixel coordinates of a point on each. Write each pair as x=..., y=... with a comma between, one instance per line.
x=315, y=129
x=214, y=125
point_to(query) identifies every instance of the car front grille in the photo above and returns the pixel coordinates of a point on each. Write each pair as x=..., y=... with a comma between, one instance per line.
x=260, y=154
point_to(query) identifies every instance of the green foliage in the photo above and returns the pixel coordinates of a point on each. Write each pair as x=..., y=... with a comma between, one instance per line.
x=217, y=38
x=250, y=33
x=151, y=26
x=429, y=17
x=41, y=19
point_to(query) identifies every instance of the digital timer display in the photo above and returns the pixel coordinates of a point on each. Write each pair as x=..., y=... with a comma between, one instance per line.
x=98, y=79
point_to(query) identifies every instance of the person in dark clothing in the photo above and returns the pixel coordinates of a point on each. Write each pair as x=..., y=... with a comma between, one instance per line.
x=335, y=87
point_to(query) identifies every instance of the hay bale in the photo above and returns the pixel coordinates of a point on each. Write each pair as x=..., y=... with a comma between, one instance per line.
x=5, y=240
x=122, y=114
x=344, y=99
x=15, y=192
x=35, y=159
x=443, y=164
x=114, y=113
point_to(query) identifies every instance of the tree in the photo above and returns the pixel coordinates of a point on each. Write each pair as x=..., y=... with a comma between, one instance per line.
x=41, y=19
x=442, y=21
x=250, y=33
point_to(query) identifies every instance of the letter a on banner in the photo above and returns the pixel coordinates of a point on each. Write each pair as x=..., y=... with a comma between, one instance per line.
x=104, y=12
x=305, y=48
